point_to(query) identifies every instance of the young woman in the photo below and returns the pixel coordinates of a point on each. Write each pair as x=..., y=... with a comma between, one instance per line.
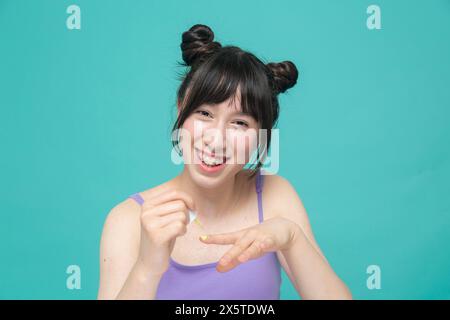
x=248, y=224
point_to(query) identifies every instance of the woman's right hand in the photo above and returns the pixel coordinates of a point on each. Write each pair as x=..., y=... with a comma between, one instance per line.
x=164, y=217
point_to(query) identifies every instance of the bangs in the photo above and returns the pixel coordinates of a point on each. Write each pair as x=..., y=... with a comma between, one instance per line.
x=230, y=76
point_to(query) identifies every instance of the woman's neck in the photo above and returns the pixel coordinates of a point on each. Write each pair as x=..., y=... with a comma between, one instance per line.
x=212, y=204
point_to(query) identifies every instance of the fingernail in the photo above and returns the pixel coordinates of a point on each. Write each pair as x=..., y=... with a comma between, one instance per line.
x=203, y=237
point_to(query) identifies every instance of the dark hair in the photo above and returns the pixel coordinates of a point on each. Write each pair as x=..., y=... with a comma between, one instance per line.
x=216, y=72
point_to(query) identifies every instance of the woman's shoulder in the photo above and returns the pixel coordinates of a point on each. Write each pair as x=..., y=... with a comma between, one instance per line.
x=274, y=181
x=279, y=194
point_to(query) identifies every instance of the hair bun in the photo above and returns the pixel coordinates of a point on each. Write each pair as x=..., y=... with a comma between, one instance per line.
x=197, y=44
x=285, y=75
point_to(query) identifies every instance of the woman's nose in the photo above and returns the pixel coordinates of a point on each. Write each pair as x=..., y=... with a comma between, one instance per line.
x=215, y=137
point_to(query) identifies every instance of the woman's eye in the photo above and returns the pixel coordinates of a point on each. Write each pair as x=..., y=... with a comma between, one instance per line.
x=242, y=123
x=203, y=113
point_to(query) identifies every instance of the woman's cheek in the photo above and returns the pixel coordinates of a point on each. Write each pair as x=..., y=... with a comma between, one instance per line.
x=190, y=125
x=195, y=128
x=243, y=145
x=187, y=139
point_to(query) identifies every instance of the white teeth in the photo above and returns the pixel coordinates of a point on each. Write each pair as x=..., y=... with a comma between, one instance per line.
x=211, y=161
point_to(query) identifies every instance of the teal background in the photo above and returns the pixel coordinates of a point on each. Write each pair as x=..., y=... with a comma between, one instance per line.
x=86, y=117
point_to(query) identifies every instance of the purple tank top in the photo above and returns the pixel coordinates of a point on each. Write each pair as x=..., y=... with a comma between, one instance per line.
x=256, y=279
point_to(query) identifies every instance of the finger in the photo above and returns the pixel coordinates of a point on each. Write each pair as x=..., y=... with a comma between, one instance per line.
x=268, y=244
x=167, y=208
x=170, y=231
x=223, y=238
x=169, y=195
x=254, y=251
x=175, y=228
x=230, y=257
x=167, y=219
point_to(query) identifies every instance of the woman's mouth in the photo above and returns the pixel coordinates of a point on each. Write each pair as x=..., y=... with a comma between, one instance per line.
x=210, y=164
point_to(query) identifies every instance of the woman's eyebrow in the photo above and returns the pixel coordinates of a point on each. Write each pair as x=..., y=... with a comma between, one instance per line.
x=241, y=113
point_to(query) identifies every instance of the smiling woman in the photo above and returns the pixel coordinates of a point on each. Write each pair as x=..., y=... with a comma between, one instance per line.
x=234, y=78
x=255, y=223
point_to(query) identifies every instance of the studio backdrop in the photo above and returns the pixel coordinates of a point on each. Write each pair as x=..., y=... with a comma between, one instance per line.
x=88, y=100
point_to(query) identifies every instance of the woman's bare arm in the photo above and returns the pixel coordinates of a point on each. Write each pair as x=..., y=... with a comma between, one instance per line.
x=312, y=274
x=121, y=274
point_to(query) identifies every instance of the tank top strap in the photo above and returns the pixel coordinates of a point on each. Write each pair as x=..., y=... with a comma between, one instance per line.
x=138, y=198
x=259, y=182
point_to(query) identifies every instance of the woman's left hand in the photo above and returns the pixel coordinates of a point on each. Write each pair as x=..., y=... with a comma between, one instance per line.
x=253, y=242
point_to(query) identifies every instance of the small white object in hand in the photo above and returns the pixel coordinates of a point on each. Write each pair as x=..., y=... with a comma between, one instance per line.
x=192, y=215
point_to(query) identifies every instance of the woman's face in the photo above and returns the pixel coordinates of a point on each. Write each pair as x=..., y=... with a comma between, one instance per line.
x=217, y=141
